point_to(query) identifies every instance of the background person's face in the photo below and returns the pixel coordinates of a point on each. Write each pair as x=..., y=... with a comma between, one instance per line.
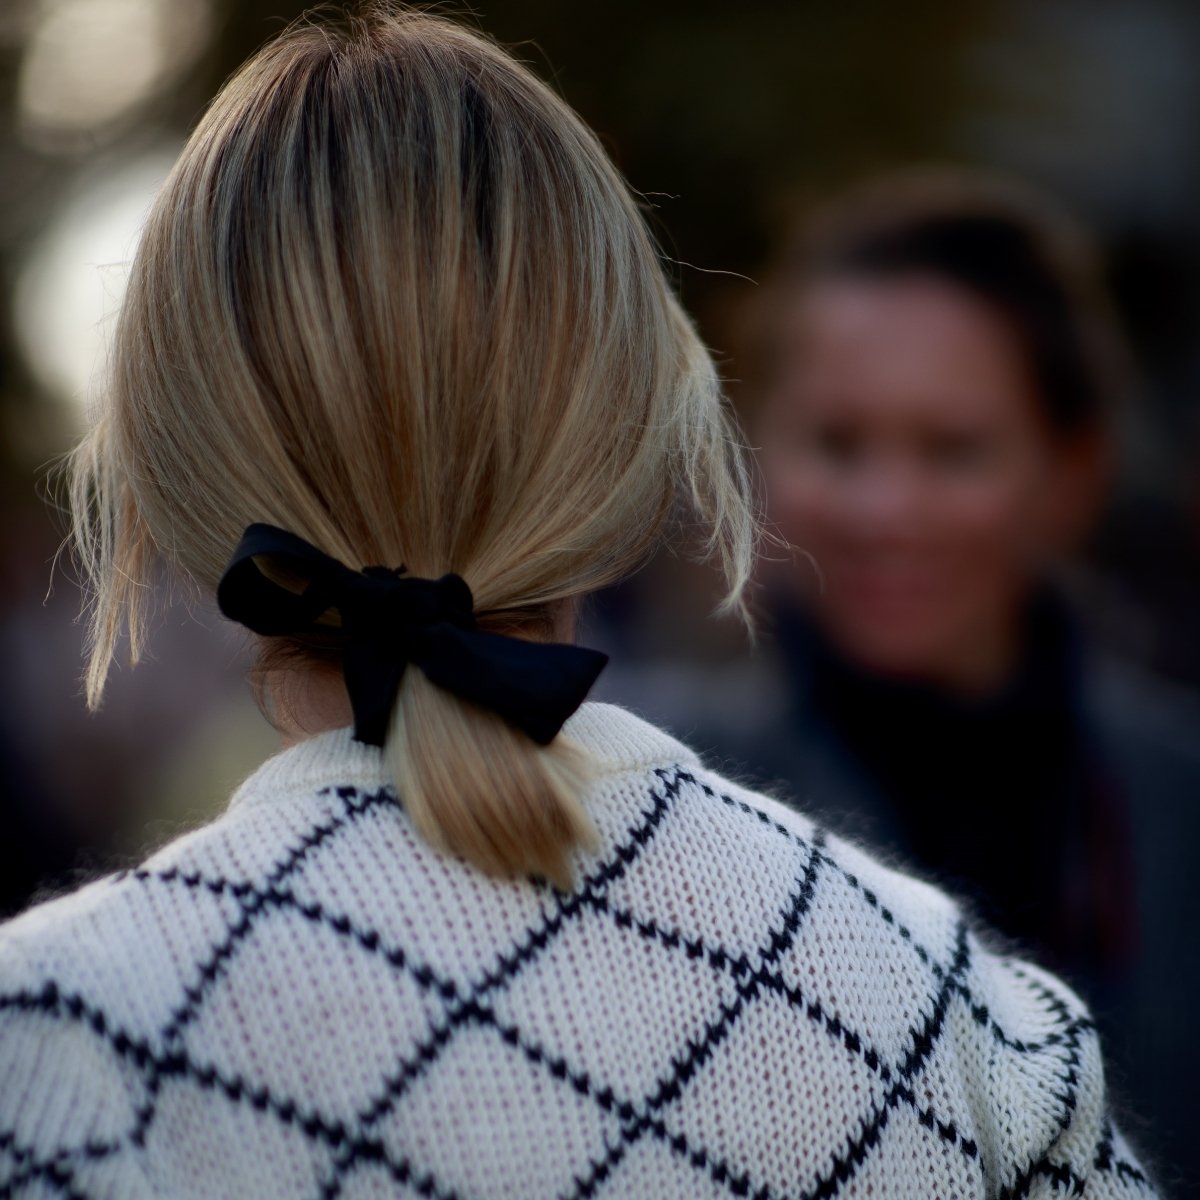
x=903, y=448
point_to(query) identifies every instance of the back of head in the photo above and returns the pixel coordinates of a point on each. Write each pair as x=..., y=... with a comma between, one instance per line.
x=395, y=298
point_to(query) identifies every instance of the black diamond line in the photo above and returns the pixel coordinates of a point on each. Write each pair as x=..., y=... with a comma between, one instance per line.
x=508, y=965
x=1019, y=1186
x=252, y=899
x=57, y=1174
x=698, y=1052
x=738, y=966
x=858, y=1149
x=1107, y=1162
x=978, y=1010
x=605, y=1096
x=55, y=1169
x=924, y=1041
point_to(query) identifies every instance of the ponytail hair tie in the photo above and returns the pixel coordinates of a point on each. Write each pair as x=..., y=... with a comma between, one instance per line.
x=390, y=619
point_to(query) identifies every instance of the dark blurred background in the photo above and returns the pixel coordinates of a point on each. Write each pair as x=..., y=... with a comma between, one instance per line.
x=729, y=119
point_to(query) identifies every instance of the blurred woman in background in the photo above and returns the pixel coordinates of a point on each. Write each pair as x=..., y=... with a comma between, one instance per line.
x=935, y=437
x=935, y=429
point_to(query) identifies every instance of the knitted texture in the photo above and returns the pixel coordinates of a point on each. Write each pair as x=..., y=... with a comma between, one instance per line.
x=305, y=999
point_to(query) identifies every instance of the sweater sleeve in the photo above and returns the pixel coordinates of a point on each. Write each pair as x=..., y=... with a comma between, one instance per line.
x=1115, y=1174
x=1091, y=1160
x=67, y=1102
x=1034, y=1065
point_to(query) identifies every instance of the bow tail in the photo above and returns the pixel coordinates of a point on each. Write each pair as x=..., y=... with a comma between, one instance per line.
x=533, y=685
x=372, y=682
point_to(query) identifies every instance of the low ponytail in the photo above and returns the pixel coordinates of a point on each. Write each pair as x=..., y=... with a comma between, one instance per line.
x=477, y=787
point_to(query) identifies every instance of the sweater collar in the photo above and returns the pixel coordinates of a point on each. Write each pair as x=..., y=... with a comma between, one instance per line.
x=616, y=738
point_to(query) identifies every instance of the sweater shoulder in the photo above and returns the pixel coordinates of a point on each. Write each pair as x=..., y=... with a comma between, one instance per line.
x=117, y=958
x=896, y=995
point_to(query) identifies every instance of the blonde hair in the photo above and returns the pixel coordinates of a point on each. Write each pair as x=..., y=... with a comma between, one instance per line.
x=395, y=298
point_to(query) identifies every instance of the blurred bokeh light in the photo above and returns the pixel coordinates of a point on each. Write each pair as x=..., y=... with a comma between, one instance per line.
x=69, y=289
x=89, y=66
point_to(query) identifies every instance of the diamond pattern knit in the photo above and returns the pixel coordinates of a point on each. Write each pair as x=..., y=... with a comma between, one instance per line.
x=304, y=999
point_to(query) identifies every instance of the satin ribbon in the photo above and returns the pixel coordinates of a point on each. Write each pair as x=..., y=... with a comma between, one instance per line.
x=390, y=619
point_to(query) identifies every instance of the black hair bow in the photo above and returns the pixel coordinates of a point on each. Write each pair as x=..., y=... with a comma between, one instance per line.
x=390, y=619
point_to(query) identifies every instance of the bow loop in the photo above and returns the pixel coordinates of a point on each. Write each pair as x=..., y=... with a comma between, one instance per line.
x=389, y=619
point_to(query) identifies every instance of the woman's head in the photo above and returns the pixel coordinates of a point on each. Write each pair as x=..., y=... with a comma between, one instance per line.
x=934, y=422
x=394, y=298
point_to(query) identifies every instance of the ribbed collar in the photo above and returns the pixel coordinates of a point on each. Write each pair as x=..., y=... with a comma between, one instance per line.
x=617, y=738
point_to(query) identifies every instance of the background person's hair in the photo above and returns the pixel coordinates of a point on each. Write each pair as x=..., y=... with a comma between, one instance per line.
x=998, y=241
x=395, y=298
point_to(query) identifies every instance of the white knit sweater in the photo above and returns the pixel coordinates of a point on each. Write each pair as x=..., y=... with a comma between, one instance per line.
x=304, y=999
